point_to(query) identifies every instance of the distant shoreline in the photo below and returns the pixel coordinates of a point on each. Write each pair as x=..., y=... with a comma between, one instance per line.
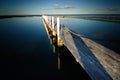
x=101, y=17
x=12, y=16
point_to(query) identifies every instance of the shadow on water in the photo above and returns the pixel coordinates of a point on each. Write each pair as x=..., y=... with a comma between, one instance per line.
x=68, y=68
x=91, y=63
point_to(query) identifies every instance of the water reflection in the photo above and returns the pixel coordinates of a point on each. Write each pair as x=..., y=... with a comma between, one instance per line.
x=26, y=53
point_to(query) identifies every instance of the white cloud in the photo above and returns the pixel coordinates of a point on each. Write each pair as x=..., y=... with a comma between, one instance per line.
x=45, y=8
x=68, y=6
x=58, y=6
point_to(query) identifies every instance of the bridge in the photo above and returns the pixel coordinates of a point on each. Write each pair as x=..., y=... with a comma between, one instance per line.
x=98, y=61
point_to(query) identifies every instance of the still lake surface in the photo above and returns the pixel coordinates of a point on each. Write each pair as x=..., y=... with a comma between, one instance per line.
x=26, y=52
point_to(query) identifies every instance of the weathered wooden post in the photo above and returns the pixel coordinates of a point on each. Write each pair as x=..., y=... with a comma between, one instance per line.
x=53, y=24
x=58, y=26
x=59, y=41
x=50, y=20
x=45, y=18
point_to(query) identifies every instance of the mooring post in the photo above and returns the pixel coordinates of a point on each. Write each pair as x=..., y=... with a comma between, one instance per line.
x=58, y=26
x=45, y=18
x=48, y=20
x=52, y=22
x=59, y=41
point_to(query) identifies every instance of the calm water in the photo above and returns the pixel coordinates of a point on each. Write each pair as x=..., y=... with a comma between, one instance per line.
x=105, y=33
x=26, y=53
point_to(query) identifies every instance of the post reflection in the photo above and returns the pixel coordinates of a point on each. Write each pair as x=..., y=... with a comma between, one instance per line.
x=67, y=66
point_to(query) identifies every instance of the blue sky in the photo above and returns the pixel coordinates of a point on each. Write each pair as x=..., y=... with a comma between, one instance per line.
x=10, y=7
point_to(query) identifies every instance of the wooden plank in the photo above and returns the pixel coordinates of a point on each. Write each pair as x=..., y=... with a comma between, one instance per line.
x=108, y=58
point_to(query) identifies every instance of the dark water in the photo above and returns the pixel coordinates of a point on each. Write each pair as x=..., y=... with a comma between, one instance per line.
x=105, y=33
x=26, y=53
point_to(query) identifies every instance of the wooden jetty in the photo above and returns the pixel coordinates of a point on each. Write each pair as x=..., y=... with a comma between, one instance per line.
x=99, y=62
